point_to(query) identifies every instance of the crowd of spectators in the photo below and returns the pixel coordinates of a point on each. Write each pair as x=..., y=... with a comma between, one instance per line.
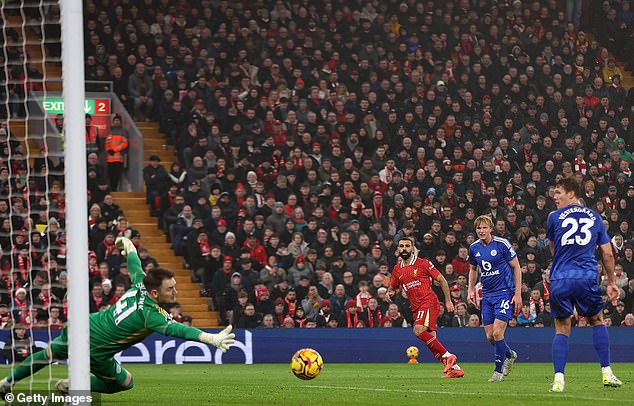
x=310, y=136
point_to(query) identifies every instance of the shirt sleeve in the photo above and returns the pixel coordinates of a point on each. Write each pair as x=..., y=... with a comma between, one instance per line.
x=394, y=281
x=161, y=322
x=509, y=252
x=431, y=269
x=135, y=268
x=550, y=232
x=603, y=237
x=472, y=258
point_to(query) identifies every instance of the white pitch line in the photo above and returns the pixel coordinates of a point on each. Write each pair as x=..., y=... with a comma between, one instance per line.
x=434, y=392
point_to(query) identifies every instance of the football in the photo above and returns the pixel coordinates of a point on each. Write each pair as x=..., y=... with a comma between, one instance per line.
x=306, y=363
x=412, y=352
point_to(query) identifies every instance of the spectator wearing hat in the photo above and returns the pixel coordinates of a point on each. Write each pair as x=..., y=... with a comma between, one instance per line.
x=256, y=250
x=299, y=269
x=277, y=220
x=523, y=232
x=249, y=275
x=156, y=181
x=325, y=314
x=263, y=302
x=223, y=293
x=280, y=312
x=352, y=316
x=20, y=305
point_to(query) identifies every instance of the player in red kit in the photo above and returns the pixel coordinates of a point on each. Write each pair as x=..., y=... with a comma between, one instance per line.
x=415, y=276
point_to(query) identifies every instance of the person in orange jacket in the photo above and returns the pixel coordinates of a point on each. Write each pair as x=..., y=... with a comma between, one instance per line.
x=116, y=146
x=258, y=252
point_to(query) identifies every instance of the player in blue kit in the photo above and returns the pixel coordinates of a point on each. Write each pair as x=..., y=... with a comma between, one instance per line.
x=574, y=232
x=501, y=278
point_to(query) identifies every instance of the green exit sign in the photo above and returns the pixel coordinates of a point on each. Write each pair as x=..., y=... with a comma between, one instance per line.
x=55, y=105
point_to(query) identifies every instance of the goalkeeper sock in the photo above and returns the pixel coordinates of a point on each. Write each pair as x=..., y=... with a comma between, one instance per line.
x=500, y=354
x=560, y=352
x=601, y=343
x=29, y=366
x=433, y=344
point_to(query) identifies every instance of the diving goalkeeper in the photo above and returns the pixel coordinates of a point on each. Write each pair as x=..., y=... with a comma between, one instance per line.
x=135, y=316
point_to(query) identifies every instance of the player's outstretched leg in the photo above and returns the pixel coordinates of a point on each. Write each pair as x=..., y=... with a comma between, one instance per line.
x=601, y=341
x=29, y=366
x=108, y=386
x=451, y=370
x=109, y=376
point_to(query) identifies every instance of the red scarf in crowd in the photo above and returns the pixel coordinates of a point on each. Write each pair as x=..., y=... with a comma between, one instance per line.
x=23, y=309
x=581, y=167
x=24, y=264
x=351, y=320
x=109, y=248
x=205, y=250
x=371, y=317
x=292, y=306
x=61, y=252
x=536, y=307
x=93, y=269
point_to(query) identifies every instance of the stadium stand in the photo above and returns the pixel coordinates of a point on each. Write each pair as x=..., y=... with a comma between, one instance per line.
x=288, y=145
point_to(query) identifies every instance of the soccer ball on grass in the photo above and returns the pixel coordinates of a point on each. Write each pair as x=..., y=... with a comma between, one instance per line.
x=412, y=354
x=306, y=363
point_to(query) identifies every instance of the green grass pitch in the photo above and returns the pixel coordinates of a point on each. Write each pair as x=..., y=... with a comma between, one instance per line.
x=344, y=384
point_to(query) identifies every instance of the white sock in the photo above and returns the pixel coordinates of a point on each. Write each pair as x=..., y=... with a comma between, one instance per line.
x=559, y=376
x=606, y=370
x=445, y=355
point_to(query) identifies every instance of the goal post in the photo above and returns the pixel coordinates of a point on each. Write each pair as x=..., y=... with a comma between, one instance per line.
x=76, y=195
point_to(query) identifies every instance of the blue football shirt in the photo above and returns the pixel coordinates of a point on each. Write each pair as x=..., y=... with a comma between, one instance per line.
x=575, y=232
x=496, y=274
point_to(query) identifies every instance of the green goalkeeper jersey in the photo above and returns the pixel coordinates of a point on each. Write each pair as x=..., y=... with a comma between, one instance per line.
x=134, y=317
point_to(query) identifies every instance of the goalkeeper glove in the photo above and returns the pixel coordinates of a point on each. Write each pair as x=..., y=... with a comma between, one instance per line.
x=125, y=245
x=222, y=340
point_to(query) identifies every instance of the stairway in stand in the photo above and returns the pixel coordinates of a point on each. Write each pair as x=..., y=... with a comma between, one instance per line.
x=152, y=237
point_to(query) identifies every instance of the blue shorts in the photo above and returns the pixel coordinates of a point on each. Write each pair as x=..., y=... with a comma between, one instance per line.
x=497, y=305
x=566, y=294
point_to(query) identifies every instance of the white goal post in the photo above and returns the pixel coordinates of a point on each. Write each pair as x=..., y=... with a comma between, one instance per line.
x=76, y=196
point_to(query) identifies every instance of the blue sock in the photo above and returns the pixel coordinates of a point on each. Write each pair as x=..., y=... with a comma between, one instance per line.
x=601, y=344
x=560, y=352
x=508, y=351
x=500, y=354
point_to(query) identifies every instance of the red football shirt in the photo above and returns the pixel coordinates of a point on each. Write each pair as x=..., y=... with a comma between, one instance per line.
x=416, y=277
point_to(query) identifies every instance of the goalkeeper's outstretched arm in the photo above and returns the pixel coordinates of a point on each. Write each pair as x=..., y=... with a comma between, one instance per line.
x=156, y=321
x=134, y=262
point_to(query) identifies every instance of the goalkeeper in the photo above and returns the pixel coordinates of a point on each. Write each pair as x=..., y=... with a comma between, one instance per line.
x=135, y=316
